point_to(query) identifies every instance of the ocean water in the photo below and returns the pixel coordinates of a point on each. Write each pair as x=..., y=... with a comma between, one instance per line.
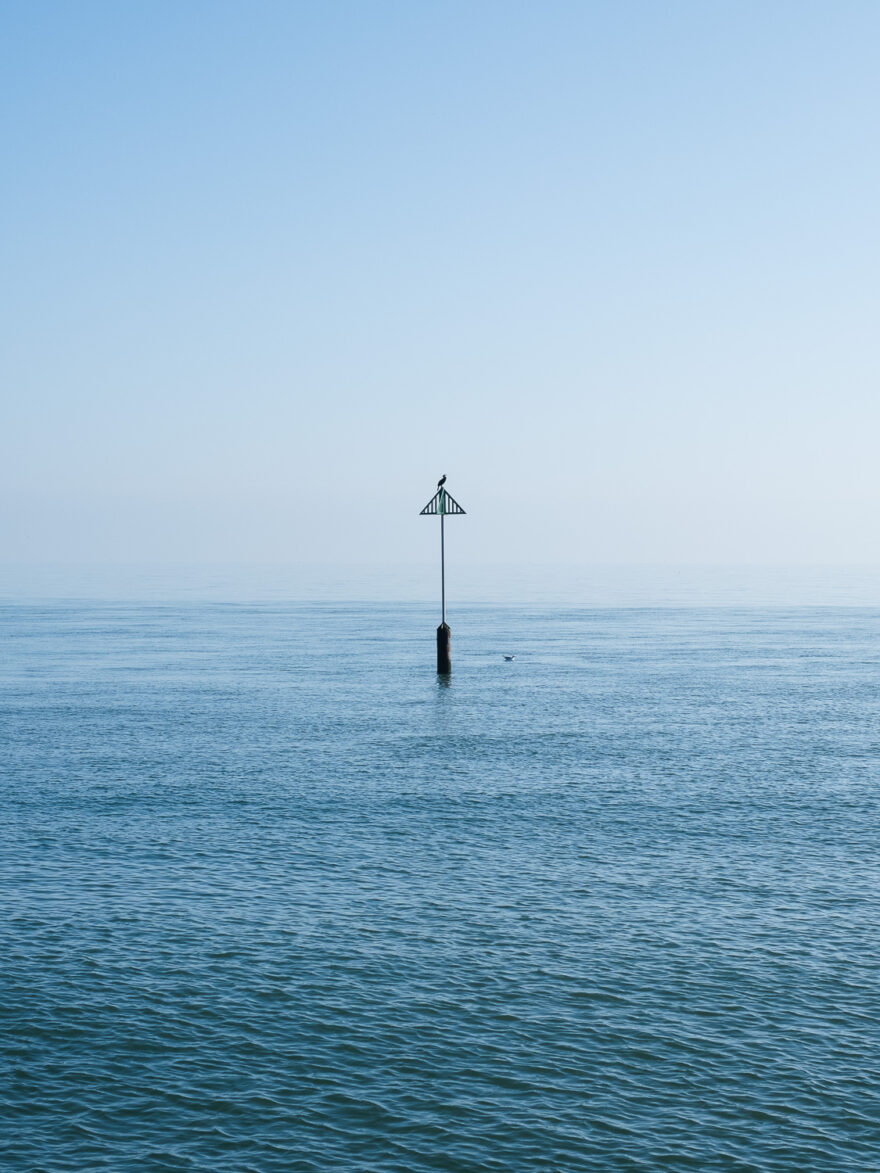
x=274, y=897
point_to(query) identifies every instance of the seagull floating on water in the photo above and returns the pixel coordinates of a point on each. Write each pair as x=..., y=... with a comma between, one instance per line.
x=441, y=482
x=510, y=657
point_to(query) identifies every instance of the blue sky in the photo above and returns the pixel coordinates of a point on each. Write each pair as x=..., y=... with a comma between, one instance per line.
x=271, y=268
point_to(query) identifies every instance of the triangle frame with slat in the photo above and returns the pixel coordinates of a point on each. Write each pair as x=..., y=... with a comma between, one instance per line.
x=443, y=503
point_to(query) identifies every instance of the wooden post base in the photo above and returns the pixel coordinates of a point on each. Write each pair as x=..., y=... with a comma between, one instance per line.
x=444, y=654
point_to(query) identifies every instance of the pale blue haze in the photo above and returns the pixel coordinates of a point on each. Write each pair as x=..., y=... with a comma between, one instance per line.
x=271, y=268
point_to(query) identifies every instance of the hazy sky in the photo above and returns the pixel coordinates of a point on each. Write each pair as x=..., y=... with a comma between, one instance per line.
x=269, y=269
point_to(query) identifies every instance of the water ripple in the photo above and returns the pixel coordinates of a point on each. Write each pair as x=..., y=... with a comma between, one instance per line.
x=266, y=911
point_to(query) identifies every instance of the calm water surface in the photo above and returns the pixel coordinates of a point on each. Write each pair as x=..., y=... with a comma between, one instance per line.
x=275, y=899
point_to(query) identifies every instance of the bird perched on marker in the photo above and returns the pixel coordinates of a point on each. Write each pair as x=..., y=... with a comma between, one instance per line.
x=441, y=482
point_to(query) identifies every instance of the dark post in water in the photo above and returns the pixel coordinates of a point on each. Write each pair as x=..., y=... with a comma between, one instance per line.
x=444, y=649
x=443, y=504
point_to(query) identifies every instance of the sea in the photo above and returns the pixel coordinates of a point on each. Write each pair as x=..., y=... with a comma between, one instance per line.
x=276, y=897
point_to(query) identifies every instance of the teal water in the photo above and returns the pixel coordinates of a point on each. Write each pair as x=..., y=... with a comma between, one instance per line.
x=276, y=899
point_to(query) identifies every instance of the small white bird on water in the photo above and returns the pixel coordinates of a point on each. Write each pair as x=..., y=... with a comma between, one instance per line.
x=510, y=657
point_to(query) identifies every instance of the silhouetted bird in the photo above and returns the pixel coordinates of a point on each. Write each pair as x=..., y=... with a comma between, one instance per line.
x=441, y=482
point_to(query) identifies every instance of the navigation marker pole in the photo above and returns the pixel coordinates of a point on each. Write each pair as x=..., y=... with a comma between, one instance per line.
x=443, y=504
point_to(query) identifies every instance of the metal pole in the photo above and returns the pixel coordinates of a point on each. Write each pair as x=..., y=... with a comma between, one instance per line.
x=443, y=567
